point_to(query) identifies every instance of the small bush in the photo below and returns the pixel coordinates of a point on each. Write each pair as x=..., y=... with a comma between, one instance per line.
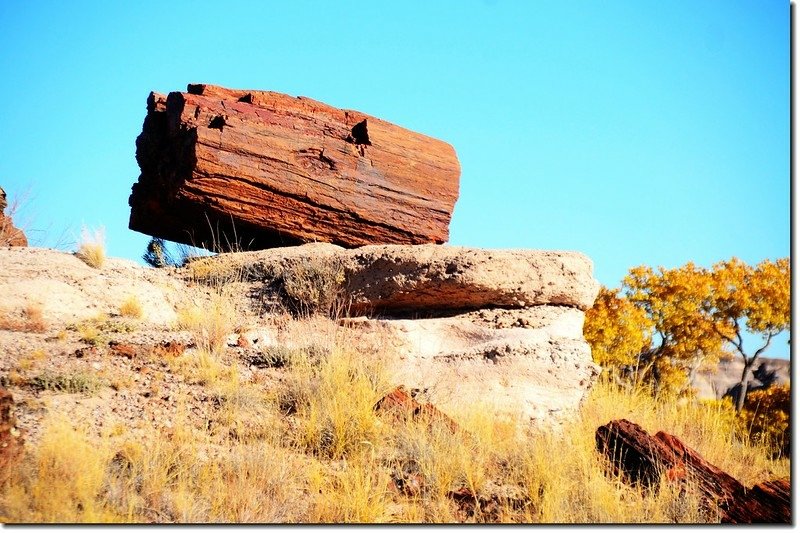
x=131, y=307
x=78, y=382
x=159, y=255
x=765, y=418
x=313, y=287
x=91, y=249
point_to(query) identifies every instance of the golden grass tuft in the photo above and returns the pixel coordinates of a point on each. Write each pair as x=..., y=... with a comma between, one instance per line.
x=92, y=247
x=210, y=323
x=131, y=307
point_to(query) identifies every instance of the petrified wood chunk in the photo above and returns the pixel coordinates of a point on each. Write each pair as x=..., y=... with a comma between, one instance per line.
x=265, y=169
x=642, y=459
x=9, y=234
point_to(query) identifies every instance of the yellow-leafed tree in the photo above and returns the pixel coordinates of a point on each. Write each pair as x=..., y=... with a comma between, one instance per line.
x=664, y=325
x=752, y=299
x=618, y=332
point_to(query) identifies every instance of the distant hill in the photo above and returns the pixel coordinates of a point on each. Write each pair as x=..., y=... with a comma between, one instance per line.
x=724, y=380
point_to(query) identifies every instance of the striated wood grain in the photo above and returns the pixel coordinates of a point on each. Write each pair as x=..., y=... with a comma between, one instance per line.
x=643, y=459
x=267, y=169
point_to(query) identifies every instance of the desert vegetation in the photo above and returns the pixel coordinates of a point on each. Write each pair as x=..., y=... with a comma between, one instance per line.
x=316, y=450
x=295, y=430
x=92, y=247
x=664, y=325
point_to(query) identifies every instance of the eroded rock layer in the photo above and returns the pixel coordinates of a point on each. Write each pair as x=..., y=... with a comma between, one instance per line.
x=502, y=329
x=262, y=169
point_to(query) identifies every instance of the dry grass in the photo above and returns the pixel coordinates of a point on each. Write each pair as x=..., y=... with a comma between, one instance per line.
x=131, y=307
x=78, y=382
x=314, y=286
x=209, y=322
x=92, y=247
x=30, y=320
x=314, y=450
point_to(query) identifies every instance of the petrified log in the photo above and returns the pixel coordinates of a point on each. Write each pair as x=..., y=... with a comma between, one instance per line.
x=9, y=234
x=643, y=459
x=400, y=403
x=262, y=169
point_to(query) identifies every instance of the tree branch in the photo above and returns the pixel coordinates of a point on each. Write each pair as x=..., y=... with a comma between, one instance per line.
x=760, y=350
x=737, y=345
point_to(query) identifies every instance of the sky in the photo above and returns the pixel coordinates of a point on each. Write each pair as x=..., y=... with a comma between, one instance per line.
x=637, y=132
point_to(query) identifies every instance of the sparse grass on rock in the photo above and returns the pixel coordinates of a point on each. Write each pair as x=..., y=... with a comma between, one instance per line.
x=92, y=247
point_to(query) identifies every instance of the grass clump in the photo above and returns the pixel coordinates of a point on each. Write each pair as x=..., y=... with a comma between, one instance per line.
x=210, y=323
x=333, y=402
x=73, y=383
x=312, y=287
x=61, y=481
x=131, y=307
x=92, y=247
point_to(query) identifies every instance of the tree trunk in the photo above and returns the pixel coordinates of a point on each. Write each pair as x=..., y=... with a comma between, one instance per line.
x=743, y=384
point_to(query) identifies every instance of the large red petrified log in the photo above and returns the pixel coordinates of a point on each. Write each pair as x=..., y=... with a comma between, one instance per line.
x=266, y=169
x=643, y=459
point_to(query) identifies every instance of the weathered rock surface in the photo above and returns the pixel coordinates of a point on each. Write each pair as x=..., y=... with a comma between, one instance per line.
x=529, y=363
x=644, y=459
x=536, y=374
x=265, y=169
x=67, y=290
x=9, y=234
x=416, y=279
x=503, y=328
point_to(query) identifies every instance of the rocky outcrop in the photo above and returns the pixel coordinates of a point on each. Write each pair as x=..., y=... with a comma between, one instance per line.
x=265, y=169
x=500, y=328
x=9, y=234
x=405, y=278
x=643, y=459
x=66, y=290
x=394, y=280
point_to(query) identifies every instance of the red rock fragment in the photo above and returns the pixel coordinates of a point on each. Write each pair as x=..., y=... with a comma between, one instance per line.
x=9, y=234
x=400, y=402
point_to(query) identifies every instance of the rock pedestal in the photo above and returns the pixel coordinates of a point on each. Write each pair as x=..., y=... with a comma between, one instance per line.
x=463, y=326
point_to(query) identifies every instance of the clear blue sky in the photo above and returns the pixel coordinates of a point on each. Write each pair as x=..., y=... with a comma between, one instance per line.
x=638, y=132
